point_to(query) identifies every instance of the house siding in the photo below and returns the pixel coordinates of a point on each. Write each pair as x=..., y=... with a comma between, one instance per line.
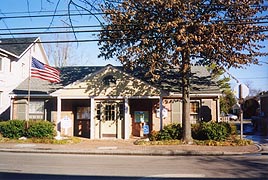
x=15, y=71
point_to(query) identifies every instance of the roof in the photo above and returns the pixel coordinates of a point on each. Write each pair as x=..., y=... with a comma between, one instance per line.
x=16, y=46
x=169, y=81
x=37, y=86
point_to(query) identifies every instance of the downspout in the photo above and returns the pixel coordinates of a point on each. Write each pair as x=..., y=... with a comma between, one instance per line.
x=218, y=108
x=126, y=119
x=161, y=112
x=92, y=119
x=11, y=107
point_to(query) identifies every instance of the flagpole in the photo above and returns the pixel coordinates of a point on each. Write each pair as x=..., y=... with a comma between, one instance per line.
x=29, y=92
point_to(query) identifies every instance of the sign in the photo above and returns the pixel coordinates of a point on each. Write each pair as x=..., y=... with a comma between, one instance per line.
x=141, y=116
x=66, y=122
x=146, y=129
x=241, y=91
x=164, y=113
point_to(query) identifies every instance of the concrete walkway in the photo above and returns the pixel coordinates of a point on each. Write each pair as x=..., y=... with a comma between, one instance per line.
x=127, y=147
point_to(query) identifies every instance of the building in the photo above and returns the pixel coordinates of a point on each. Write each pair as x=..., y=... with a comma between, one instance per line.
x=110, y=102
x=15, y=59
x=263, y=113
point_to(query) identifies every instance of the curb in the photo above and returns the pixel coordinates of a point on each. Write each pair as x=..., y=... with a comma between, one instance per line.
x=264, y=151
x=126, y=152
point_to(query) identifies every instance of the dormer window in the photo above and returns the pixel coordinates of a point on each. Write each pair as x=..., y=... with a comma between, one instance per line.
x=109, y=80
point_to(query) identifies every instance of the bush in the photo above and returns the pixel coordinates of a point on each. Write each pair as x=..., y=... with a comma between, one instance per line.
x=15, y=129
x=170, y=132
x=40, y=129
x=12, y=129
x=211, y=131
x=200, y=131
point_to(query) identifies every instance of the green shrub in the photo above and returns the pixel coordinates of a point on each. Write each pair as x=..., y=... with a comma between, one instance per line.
x=12, y=129
x=170, y=132
x=211, y=131
x=40, y=129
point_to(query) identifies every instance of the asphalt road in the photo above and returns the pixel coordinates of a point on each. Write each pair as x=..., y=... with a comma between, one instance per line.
x=60, y=166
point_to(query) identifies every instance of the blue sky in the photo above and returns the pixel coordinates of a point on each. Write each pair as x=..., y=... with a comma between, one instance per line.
x=86, y=53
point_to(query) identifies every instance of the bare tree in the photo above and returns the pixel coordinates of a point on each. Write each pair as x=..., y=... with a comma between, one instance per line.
x=60, y=53
x=252, y=90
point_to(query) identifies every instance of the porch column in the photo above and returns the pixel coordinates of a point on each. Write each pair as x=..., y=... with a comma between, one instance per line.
x=161, y=112
x=58, y=113
x=92, y=119
x=126, y=119
x=218, y=109
x=11, y=107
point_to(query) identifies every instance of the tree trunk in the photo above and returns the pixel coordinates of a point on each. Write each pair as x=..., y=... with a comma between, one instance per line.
x=186, y=124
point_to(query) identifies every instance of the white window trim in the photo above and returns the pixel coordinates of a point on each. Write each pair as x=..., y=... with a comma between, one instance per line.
x=1, y=64
x=1, y=98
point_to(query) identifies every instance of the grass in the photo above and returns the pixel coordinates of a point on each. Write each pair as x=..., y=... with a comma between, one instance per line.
x=232, y=141
x=65, y=140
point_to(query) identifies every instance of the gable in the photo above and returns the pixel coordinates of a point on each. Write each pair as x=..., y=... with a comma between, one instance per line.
x=109, y=81
x=16, y=46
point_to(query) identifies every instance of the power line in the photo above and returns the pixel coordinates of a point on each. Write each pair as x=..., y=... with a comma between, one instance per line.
x=51, y=15
x=255, y=78
x=100, y=13
x=41, y=11
x=74, y=31
x=69, y=31
x=52, y=27
x=97, y=26
x=74, y=10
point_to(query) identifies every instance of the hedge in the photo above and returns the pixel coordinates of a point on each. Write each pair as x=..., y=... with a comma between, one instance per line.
x=200, y=131
x=15, y=129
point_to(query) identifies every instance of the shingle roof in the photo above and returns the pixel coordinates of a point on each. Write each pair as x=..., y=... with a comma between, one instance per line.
x=37, y=86
x=70, y=74
x=170, y=80
x=16, y=46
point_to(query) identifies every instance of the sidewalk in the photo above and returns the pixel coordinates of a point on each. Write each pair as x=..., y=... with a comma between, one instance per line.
x=261, y=140
x=126, y=147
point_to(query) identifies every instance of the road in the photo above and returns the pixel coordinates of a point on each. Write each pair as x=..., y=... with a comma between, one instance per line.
x=64, y=166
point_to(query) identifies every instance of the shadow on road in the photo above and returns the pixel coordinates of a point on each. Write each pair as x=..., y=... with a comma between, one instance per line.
x=23, y=176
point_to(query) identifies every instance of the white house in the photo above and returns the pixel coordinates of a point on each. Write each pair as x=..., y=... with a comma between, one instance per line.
x=15, y=60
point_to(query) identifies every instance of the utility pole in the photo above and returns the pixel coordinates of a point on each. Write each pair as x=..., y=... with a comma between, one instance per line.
x=241, y=101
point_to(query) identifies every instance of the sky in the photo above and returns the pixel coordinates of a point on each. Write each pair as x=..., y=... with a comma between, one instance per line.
x=256, y=76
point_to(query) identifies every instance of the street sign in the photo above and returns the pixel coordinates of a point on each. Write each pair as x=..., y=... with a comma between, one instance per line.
x=145, y=129
x=241, y=91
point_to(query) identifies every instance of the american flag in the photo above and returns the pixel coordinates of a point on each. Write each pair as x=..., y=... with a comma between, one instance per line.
x=44, y=71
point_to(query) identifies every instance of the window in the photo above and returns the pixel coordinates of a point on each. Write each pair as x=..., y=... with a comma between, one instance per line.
x=194, y=110
x=98, y=109
x=109, y=80
x=36, y=110
x=121, y=111
x=109, y=112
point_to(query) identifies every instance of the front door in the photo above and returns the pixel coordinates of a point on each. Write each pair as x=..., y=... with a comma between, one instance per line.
x=111, y=120
x=82, y=122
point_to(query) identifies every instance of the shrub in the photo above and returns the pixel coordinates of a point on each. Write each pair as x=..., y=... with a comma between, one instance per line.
x=170, y=132
x=153, y=135
x=40, y=129
x=211, y=131
x=15, y=129
x=12, y=129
